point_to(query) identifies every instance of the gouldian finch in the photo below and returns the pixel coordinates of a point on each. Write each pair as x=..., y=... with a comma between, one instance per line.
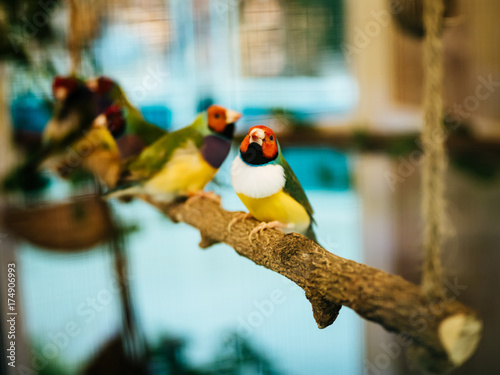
x=74, y=112
x=138, y=133
x=118, y=133
x=183, y=162
x=267, y=186
x=88, y=140
x=96, y=151
x=75, y=108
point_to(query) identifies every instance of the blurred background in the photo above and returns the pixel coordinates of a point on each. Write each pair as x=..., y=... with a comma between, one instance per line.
x=340, y=82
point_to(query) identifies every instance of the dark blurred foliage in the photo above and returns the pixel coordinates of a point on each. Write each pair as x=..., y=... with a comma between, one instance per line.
x=477, y=158
x=293, y=120
x=31, y=180
x=361, y=138
x=479, y=164
x=238, y=356
x=481, y=168
x=167, y=357
x=234, y=356
x=24, y=25
x=23, y=22
x=26, y=179
x=112, y=359
x=404, y=146
x=53, y=369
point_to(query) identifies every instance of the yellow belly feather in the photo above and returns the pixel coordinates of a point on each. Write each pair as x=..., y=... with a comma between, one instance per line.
x=278, y=207
x=185, y=173
x=96, y=151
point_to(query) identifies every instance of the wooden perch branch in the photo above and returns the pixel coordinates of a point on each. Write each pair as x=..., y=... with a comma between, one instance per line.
x=444, y=333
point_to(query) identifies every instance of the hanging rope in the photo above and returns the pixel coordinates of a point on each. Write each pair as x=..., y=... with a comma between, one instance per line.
x=74, y=40
x=435, y=160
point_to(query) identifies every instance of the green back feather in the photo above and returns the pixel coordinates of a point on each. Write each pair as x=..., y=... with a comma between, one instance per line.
x=118, y=97
x=154, y=157
x=137, y=125
x=293, y=187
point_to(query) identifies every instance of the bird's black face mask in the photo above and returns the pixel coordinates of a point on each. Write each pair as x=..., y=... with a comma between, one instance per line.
x=253, y=155
x=78, y=99
x=228, y=131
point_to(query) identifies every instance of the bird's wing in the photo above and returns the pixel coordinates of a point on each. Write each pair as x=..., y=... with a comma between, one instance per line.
x=294, y=189
x=154, y=157
x=138, y=126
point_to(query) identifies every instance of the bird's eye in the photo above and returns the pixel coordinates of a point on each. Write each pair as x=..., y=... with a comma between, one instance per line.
x=217, y=115
x=271, y=138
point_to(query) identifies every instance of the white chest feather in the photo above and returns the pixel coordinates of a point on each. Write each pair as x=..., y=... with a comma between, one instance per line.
x=256, y=181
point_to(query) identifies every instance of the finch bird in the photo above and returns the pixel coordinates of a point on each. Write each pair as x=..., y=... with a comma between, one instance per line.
x=267, y=186
x=137, y=133
x=181, y=163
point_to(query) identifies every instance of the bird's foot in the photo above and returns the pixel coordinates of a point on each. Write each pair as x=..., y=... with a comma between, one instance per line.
x=193, y=197
x=240, y=216
x=271, y=225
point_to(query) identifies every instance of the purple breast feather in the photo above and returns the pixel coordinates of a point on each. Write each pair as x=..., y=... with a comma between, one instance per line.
x=214, y=150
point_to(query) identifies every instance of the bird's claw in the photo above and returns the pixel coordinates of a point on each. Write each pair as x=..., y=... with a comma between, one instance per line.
x=263, y=226
x=240, y=216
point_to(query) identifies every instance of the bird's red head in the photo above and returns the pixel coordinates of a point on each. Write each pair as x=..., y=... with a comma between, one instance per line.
x=101, y=85
x=115, y=120
x=222, y=120
x=260, y=145
x=62, y=86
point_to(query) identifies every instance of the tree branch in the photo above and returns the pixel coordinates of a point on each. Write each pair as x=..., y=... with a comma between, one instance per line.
x=444, y=333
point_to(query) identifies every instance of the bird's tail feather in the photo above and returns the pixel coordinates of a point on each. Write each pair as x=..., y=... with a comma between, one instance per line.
x=129, y=189
x=310, y=234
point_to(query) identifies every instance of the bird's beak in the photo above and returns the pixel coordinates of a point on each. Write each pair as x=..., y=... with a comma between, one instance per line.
x=232, y=116
x=257, y=136
x=100, y=121
x=61, y=93
x=92, y=84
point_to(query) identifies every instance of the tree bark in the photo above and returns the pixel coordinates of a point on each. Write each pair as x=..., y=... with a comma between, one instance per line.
x=442, y=333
